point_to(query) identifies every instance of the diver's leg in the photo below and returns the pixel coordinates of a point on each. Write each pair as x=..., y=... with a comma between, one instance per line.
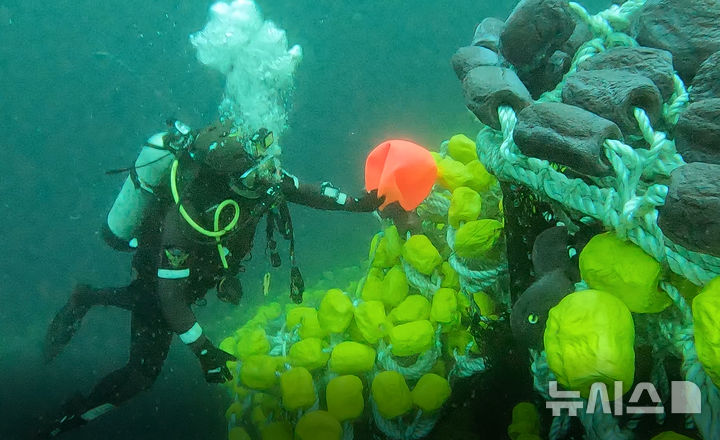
x=149, y=346
x=67, y=321
x=122, y=297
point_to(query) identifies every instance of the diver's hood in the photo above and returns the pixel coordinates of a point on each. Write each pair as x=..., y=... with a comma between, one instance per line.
x=228, y=159
x=220, y=151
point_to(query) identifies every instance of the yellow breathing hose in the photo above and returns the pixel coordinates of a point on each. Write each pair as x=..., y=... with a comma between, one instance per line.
x=217, y=232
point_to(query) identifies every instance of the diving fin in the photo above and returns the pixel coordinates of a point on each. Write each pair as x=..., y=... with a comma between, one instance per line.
x=67, y=419
x=66, y=322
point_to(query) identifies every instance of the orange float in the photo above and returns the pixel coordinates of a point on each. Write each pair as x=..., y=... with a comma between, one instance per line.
x=402, y=171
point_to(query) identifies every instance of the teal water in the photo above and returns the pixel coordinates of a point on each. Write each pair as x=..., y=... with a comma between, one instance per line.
x=83, y=83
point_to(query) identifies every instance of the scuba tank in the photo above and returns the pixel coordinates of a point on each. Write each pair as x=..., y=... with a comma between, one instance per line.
x=138, y=193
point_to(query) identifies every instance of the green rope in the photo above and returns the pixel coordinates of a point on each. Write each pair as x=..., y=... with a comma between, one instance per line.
x=628, y=208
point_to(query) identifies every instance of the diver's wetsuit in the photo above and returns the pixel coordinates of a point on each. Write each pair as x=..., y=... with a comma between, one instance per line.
x=202, y=255
x=160, y=303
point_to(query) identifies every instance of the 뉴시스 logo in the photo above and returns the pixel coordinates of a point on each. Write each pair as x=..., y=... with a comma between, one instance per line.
x=685, y=399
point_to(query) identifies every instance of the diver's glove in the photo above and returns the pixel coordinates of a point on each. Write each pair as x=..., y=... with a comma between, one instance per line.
x=229, y=290
x=369, y=202
x=212, y=361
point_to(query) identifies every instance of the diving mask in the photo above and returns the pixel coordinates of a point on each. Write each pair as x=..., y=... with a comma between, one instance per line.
x=262, y=170
x=261, y=141
x=266, y=167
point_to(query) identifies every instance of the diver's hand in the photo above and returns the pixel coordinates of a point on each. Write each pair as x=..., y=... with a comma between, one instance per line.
x=404, y=220
x=369, y=202
x=212, y=361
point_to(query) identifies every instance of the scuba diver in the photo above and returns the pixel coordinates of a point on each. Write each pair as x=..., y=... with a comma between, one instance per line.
x=217, y=176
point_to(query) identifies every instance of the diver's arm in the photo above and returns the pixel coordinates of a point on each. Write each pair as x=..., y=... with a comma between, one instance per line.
x=175, y=309
x=325, y=196
x=173, y=278
x=181, y=320
x=173, y=289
